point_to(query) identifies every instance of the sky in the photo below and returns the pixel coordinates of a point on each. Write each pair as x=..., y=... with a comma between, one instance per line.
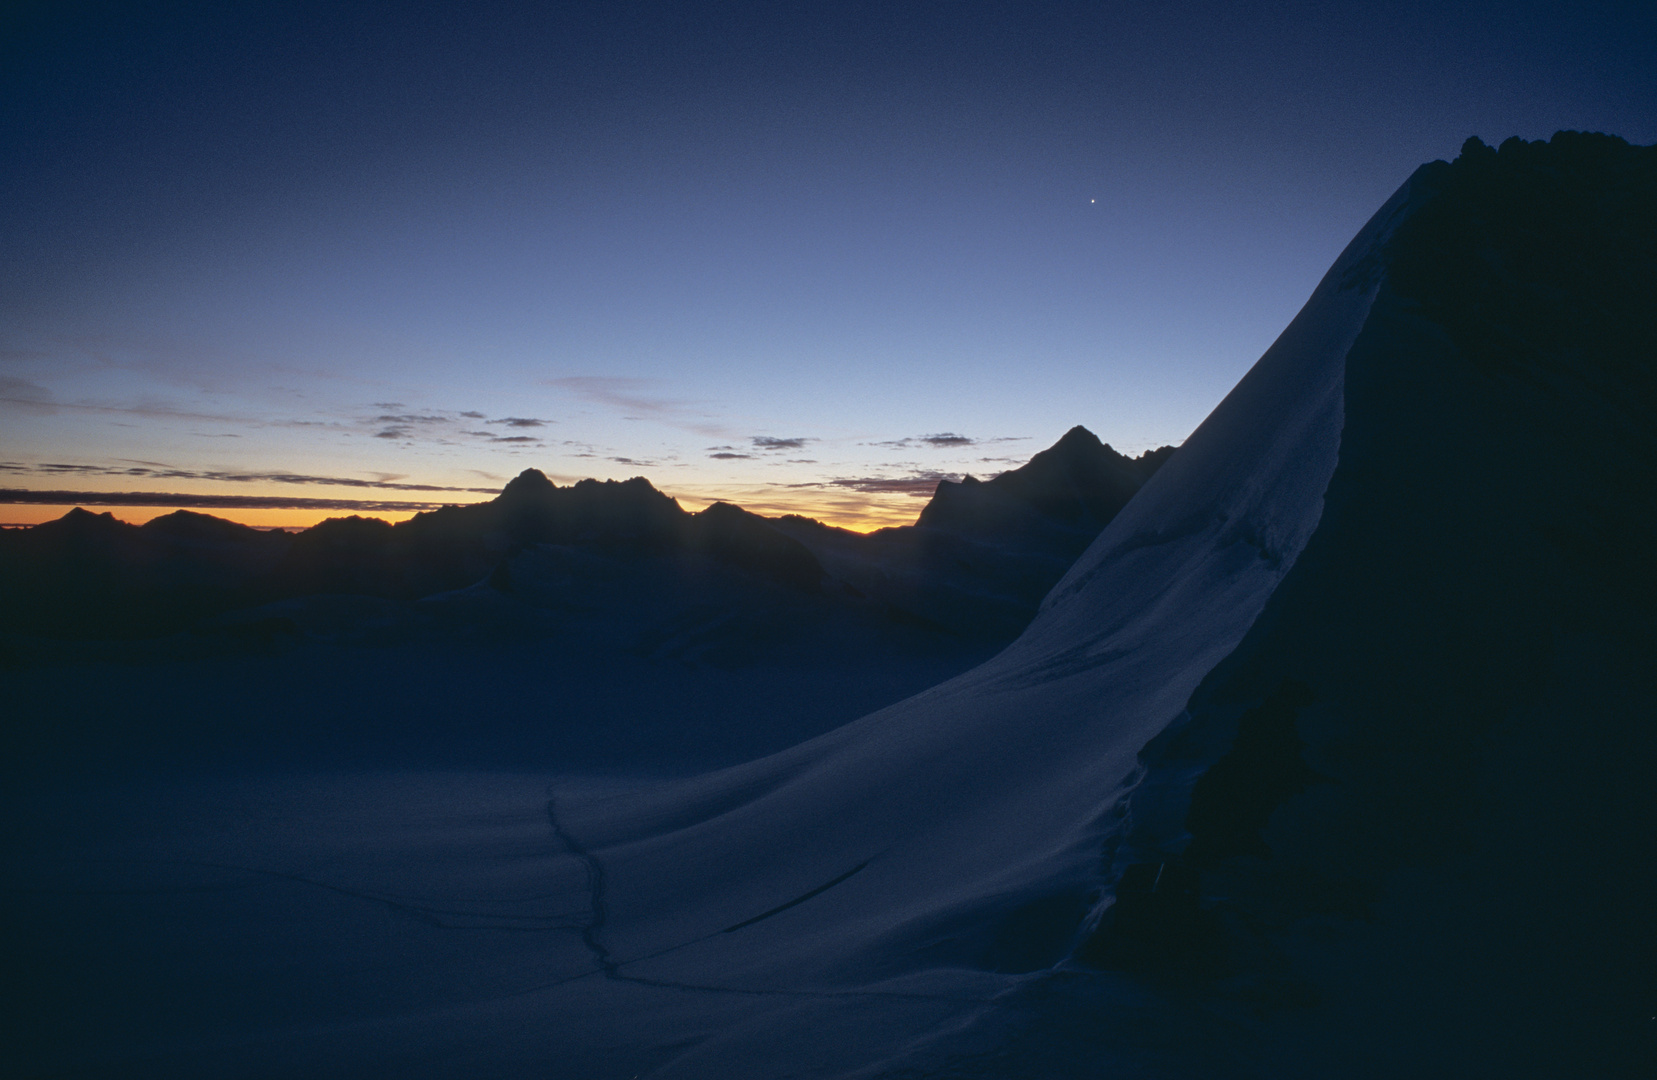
x=281, y=262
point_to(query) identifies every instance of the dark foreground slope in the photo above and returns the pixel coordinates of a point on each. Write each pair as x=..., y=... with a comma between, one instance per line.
x=1329, y=757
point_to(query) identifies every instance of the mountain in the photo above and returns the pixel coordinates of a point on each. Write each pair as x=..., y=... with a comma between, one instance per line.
x=90, y=575
x=1077, y=484
x=982, y=555
x=1330, y=756
x=976, y=568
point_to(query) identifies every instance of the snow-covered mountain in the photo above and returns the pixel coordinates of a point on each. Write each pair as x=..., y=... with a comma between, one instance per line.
x=1330, y=757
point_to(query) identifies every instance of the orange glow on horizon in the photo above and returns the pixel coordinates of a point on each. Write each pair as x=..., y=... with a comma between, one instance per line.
x=35, y=514
x=854, y=512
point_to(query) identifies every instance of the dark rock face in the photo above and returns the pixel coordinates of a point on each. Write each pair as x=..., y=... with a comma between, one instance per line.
x=1468, y=641
x=747, y=541
x=1232, y=802
x=1078, y=483
x=90, y=575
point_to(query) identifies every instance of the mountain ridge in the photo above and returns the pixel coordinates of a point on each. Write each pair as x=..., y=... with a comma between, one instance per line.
x=88, y=574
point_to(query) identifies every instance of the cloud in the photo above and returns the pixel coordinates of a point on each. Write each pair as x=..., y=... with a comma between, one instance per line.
x=221, y=502
x=634, y=399
x=20, y=394
x=920, y=485
x=616, y=391
x=492, y=437
x=156, y=471
x=26, y=395
x=768, y=442
x=945, y=440
x=730, y=455
x=440, y=425
x=410, y=418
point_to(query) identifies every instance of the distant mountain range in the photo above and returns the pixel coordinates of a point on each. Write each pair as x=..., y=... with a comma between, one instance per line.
x=974, y=566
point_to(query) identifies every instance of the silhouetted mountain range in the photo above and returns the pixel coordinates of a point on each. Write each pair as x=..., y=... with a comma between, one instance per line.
x=975, y=565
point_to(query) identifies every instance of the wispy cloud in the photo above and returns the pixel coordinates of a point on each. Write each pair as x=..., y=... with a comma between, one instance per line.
x=156, y=471
x=410, y=418
x=919, y=484
x=619, y=392
x=20, y=394
x=220, y=502
x=770, y=442
x=636, y=399
x=946, y=440
x=442, y=426
x=730, y=455
x=490, y=436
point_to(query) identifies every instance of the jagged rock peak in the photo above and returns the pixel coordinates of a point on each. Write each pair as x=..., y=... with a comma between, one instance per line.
x=527, y=485
x=82, y=522
x=1079, y=437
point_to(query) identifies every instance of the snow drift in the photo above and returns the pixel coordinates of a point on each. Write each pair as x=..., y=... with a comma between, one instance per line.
x=1328, y=757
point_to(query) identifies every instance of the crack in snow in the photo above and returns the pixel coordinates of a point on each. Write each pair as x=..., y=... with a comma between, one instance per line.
x=780, y=908
x=597, y=911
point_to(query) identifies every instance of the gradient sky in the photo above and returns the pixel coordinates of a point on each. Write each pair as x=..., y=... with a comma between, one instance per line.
x=803, y=257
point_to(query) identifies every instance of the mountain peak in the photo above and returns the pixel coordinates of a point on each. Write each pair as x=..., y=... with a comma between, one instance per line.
x=1078, y=437
x=1078, y=482
x=529, y=484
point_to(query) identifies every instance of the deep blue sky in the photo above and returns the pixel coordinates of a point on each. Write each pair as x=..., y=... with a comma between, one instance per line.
x=760, y=252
